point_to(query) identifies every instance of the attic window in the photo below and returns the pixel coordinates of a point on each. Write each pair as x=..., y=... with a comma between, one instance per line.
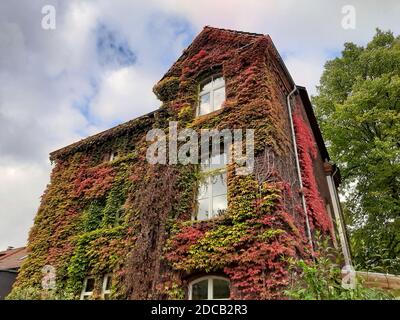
x=212, y=95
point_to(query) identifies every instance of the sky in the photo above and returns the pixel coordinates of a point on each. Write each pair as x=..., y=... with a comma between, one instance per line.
x=97, y=68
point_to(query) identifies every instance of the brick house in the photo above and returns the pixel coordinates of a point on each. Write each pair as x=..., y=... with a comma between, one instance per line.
x=115, y=226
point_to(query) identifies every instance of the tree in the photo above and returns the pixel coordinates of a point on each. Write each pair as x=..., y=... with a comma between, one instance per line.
x=358, y=108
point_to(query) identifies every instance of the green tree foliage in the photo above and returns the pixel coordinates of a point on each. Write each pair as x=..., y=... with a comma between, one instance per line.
x=358, y=107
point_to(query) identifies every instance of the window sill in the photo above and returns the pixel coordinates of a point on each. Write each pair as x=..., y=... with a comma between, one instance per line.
x=205, y=117
x=211, y=220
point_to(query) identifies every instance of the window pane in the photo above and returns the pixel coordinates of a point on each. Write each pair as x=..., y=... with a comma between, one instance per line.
x=204, y=164
x=108, y=283
x=204, y=188
x=113, y=156
x=200, y=290
x=205, y=106
x=219, y=184
x=218, y=82
x=203, y=213
x=219, y=98
x=205, y=86
x=218, y=161
x=86, y=297
x=89, y=285
x=221, y=289
x=220, y=204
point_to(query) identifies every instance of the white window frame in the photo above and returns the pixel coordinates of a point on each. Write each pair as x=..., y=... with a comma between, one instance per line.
x=207, y=170
x=85, y=293
x=210, y=91
x=104, y=291
x=113, y=155
x=210, y=292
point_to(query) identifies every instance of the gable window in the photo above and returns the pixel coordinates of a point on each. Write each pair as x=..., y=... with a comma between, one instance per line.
x=212, y=95
x=88, y=288
x=212, y=194
x=209, y=288
x=106, y=288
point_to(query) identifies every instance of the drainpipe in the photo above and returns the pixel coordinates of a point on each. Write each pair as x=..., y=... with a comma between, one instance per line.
x=303, y=199
x=339, y=219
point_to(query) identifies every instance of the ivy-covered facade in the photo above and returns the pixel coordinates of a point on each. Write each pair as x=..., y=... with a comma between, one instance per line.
x=108, y=212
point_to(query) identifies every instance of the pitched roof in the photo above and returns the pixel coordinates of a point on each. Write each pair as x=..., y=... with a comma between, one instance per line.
x=250, y=35
x=120, y=129
x=11, y=259
x=127, y=126
x=102, y=136
x=313, y=122
x=236, y=31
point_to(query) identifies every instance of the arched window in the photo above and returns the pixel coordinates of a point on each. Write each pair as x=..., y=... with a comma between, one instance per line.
x=209, y=288
x=212, y=95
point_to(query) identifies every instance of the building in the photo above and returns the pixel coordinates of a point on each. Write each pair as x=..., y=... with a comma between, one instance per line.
x=115, y=226
x=10, y=262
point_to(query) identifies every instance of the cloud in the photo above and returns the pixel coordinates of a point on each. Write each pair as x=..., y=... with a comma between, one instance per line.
x=98, y=68
x=124, y=94
x=20, y=188
x=112, y=49
x=305, y=70
x=306, y=32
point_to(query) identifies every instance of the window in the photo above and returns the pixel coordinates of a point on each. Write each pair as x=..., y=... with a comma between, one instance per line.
x=113, y=155
x=209, y=288
x=212, y=194
x=88, y=288
x=106, y=288
x=110, y=156
x=212, y=95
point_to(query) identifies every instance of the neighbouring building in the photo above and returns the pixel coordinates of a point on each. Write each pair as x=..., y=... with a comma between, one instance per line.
x=115, y=226
x=10, y=262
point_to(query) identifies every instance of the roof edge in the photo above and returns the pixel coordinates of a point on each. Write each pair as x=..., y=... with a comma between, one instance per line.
x=75, y=146
x=313, y=122
x=207, y=27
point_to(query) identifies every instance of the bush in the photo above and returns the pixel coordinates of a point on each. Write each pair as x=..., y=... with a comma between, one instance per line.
x=33, y=293
x=321, y=279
